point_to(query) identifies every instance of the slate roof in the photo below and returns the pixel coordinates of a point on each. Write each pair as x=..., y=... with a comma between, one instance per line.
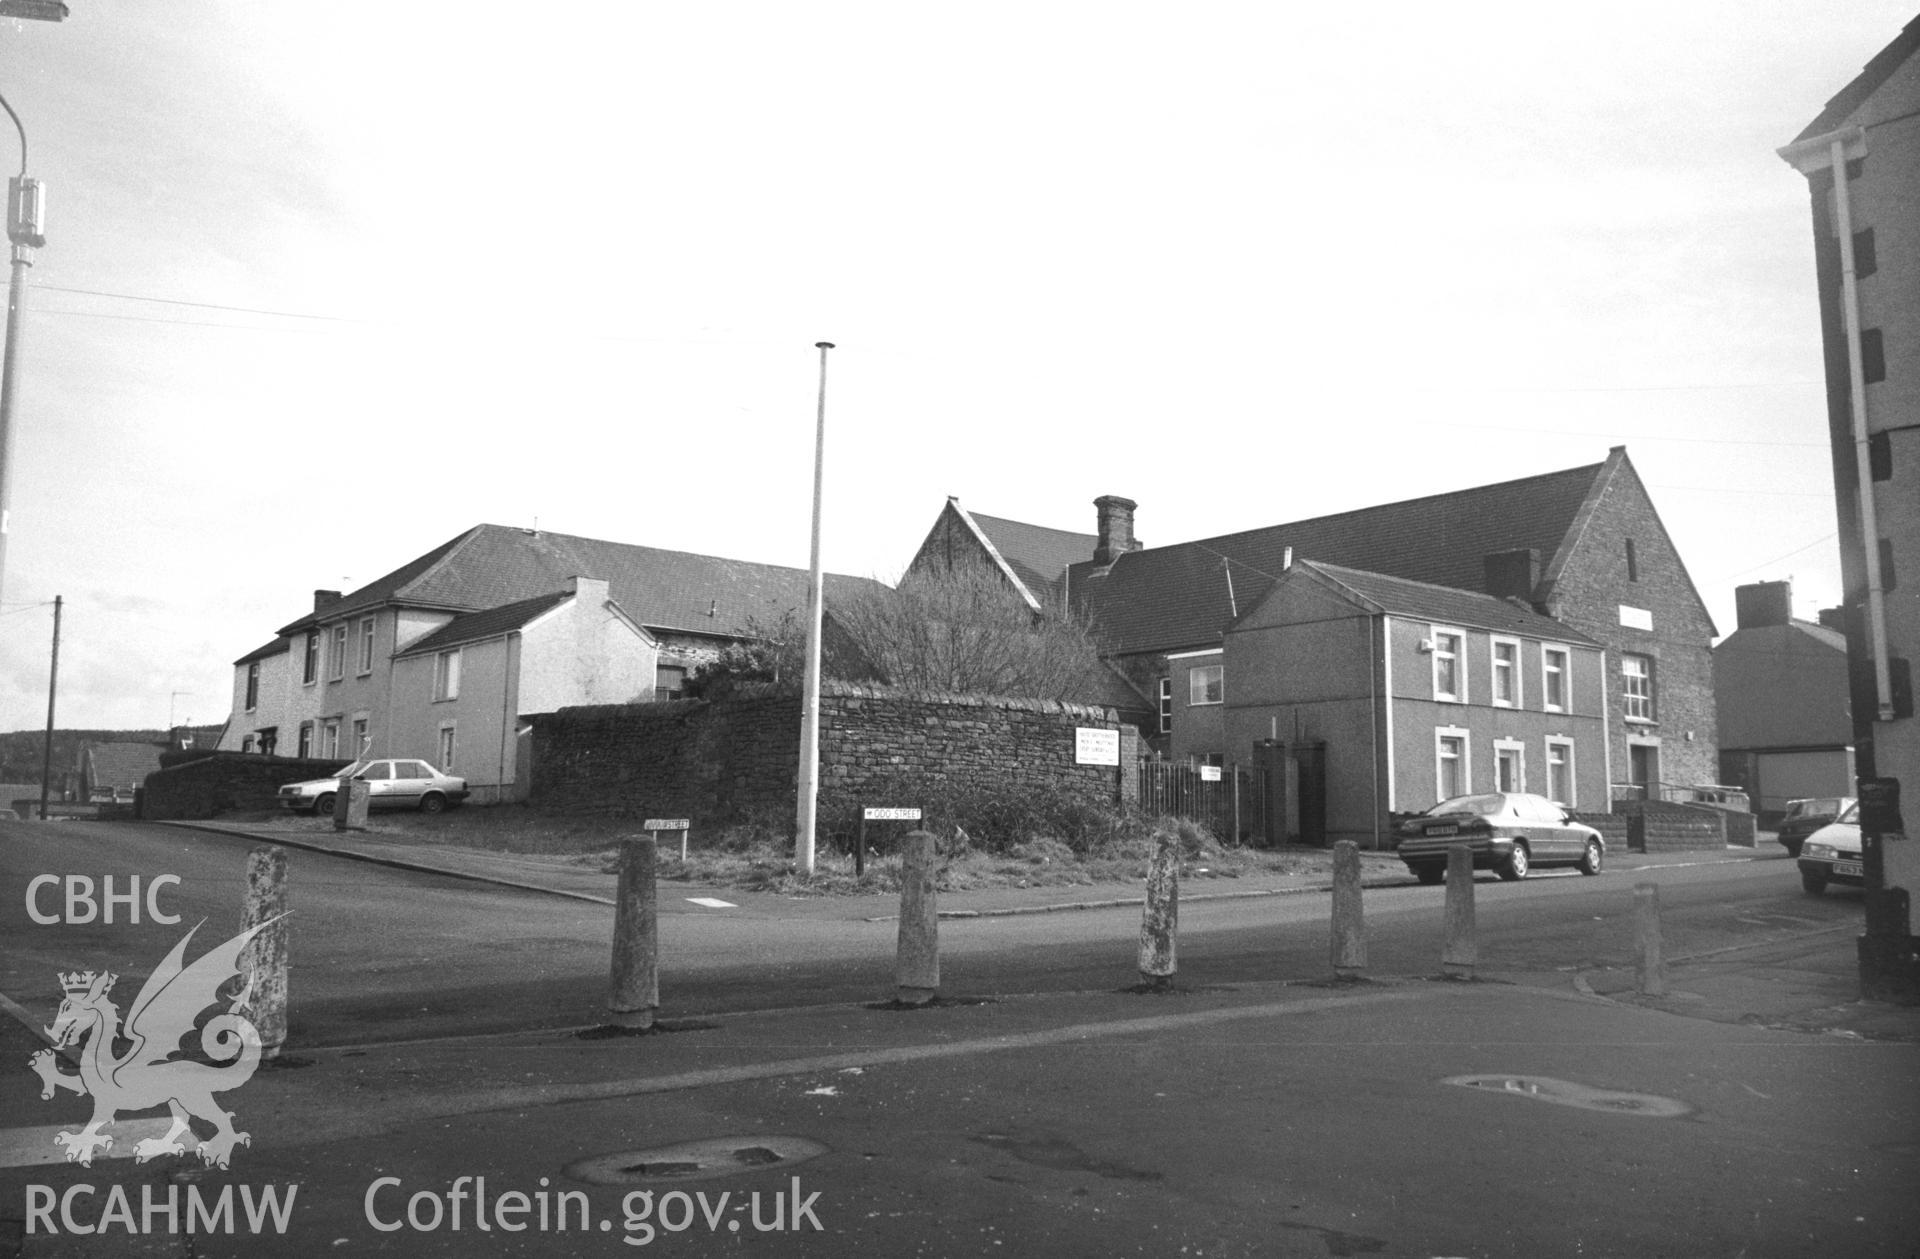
x=475, y=626
x=1468, y=609
x=492, y=565
x=1182, y=596
x=277, y=647
x=1038, y=556
x=1866, y=83
x=121, y=764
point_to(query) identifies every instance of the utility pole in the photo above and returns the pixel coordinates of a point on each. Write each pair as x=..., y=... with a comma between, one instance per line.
x=53, y=688
x=26, y=229
x=809, y=777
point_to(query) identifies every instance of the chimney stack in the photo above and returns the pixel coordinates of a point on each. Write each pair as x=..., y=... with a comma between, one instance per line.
x=1763, y=603
x=1114, y=534
x=324, y=599
x=1834, y=619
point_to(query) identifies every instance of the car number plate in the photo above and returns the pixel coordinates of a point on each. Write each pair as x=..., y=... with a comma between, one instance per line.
x=1442, y=830
x=1849, y=867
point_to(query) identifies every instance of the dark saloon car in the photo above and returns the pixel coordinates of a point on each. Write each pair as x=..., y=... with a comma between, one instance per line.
x=1804, y=817
x=1510, y=832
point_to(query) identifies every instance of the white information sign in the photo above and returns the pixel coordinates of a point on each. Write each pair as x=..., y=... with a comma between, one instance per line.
x=665, y=824
x=873, y=814
x=1635, y=618
x=1209, y=773
x=1095, y=747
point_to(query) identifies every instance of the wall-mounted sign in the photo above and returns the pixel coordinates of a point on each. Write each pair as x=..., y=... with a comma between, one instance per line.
x=1095, y=747
x=1635, y=618
x=1209, y=773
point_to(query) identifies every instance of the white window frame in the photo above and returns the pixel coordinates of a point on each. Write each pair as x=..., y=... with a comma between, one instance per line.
x=1166, y=705
x=1519, y=751
x=446, y=676
x=310, y=659
x=1196, y=690
x=1548, y=653
x=1518, y=698
x=1642, y=700
x=1442, y=735
x=448, y=746
x=1439, y=634
x=361, y=725
x=330, y=739
x=1573, y=780
x=338, y=663
x=252, y=696
x=366, y=646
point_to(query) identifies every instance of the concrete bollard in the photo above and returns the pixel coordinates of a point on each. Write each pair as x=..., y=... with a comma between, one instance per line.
x=917, y=957
x=1160, y=921
x=1462, y=948
x=634, y=993
x=264, y=961
x=1349, y=943
x=1652, y=967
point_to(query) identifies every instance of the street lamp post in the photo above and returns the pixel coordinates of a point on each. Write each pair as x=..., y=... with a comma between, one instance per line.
x=26, y=230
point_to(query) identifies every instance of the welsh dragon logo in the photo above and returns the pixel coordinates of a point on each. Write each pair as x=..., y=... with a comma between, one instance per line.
x=149, y=1073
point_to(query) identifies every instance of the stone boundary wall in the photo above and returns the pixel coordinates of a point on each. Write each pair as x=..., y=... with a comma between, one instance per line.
x=1612, y=828
x=207, y=784
x=737, y=757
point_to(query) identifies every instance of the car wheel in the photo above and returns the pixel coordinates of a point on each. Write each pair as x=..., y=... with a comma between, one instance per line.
x=1814, y=881
x=323, y=804
x=1515, y=866
x=1429, y=872
x=1590, y=862
x=433, y=802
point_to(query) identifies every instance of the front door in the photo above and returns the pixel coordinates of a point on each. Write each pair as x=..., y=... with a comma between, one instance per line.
x=1644, y=762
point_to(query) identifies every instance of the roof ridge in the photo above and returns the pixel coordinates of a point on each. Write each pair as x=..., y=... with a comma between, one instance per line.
x=1593, y=468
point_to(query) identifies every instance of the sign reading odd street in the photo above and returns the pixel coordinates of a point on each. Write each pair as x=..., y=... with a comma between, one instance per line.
x=873, y=814
x=1095, y=747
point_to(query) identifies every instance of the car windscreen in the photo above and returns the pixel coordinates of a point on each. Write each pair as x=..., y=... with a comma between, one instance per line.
x=1484, y=805
x=1851, y=817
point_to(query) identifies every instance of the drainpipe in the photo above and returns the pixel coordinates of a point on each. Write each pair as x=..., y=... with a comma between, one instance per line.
x=1830, y=152
x=1857, y=389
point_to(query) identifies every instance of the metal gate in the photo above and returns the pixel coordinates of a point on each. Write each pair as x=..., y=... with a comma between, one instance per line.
x=1229, y=800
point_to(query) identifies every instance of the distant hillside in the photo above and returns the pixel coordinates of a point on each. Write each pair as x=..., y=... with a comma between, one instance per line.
x=23, y=751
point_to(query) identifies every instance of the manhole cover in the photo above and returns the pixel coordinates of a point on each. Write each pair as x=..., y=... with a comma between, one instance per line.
x=1563, y=1093
x=694, y=1160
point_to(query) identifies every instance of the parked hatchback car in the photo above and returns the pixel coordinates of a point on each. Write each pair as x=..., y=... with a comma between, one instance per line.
x=391, y=784
x=1804, y=817
x=1510, y=832
x=1832, y=854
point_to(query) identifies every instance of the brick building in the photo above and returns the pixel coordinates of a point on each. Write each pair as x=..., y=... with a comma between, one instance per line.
x=1582, y=547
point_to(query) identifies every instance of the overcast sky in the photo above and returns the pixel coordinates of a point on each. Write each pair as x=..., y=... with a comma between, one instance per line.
x=325, y=286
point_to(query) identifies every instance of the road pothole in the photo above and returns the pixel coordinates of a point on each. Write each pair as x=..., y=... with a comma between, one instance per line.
x=694, y=1160
x=1565, y=1093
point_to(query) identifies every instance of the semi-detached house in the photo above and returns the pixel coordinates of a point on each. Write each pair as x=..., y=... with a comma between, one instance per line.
x=447, y=657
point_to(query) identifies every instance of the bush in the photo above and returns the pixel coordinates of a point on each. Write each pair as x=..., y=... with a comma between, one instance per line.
x=995, y=818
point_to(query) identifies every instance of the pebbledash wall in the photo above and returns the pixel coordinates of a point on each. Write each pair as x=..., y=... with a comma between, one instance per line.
x=737, y=757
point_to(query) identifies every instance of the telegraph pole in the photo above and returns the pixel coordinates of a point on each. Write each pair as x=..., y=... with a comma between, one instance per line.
x=809, y=777
x=53, y=686
x=26, y=229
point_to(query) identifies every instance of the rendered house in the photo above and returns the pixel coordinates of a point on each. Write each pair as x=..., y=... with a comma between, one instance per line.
x=1583, y=547
x=1861, y=160
x=442, y=658
x=1418, y=693
x=1786, y=729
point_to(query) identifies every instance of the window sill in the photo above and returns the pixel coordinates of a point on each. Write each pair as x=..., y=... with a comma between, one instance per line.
x=1640, y=721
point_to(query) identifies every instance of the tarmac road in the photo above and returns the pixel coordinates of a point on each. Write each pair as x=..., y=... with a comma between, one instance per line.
x=382, y=954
